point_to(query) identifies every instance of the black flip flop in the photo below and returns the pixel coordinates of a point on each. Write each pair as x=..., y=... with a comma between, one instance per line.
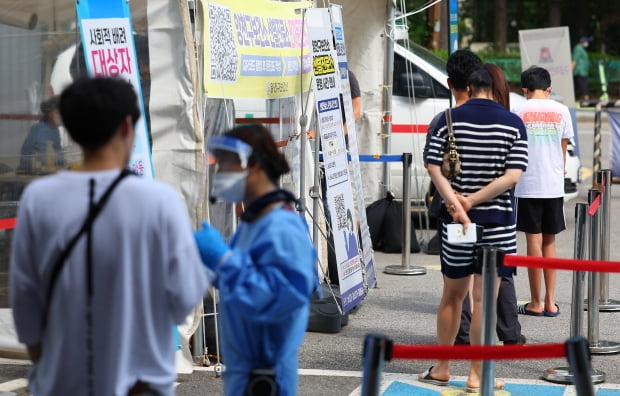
x=426, y=378
x=552, y=314
x=522, y=309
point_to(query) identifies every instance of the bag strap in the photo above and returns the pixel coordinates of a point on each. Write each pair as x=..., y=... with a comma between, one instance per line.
x=60, y=261
x=448, y=114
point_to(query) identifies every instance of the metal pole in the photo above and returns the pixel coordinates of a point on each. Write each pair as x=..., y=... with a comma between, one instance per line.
x=388, y=71
x=303, y=122
x=579, y=360
x=576, y=313
x=604, y=181
x=594, y=277
x=406, y=235
x=376, y=351
x=489, y=316
x=564, y=375
x=198, y=348
x=315, y=193
x=596, y=346
x=405, y=269
x=596, y=152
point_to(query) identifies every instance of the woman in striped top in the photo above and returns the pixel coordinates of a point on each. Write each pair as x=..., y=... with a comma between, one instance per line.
x=492, y=145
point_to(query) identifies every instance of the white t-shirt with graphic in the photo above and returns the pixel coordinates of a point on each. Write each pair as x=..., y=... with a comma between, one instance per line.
x=547, y=123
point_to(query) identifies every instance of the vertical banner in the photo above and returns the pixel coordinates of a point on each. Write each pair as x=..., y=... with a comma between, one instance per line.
x=109, y=50
x=614, y=127
x=364, y=231
x=453, y=43
x=550, y=48
x=339, y=195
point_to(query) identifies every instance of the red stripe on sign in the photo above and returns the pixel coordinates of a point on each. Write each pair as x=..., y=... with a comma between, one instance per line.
x=409, y=128
x=8, y=224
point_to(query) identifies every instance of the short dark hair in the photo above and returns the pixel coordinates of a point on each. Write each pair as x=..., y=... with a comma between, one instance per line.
x=264, y=149
x=535, y=77
x=461, y=63
x=480, y=80
x=92, y=109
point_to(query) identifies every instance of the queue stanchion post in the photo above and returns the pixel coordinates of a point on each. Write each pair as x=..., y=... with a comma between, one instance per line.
x=580, y=363
x=405, y=268
x=489, y=313
x=596, y=345
x=377, y=349
x=564, y=375
x=604, y=180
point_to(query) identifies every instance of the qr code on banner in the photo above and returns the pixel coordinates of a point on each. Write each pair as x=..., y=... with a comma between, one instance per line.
x=341, y=212
x=222, y=49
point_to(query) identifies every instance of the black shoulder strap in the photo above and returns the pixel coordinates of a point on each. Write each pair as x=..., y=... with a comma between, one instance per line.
x=59, y=264
x=252, y=211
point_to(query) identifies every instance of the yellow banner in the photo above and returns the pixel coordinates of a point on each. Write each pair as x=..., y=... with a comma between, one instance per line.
x=253, y=49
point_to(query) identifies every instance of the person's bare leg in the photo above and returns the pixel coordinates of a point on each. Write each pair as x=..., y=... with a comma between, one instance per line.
x=475, y=332
x=448, y=319
x=548, y=250
x=535, y=275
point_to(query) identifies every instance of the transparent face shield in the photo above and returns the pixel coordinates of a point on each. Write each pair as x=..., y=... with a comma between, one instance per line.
x=231, y=161
x=231, y=145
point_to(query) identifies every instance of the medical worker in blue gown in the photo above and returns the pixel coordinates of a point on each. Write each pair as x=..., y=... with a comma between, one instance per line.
x=266, y=273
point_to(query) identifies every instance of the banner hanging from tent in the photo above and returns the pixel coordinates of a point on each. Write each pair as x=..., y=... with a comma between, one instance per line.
x=110, y=50
x=339, y=195
x=255, y=49
x=363, y=231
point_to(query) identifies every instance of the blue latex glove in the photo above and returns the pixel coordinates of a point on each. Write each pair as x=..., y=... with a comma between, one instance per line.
x=211, y=245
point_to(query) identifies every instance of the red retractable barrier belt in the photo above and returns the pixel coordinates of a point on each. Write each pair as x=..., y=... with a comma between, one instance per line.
x=8, y=224
x=561, y=263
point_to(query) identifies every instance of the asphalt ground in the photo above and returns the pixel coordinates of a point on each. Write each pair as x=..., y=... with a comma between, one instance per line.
x=404, y=308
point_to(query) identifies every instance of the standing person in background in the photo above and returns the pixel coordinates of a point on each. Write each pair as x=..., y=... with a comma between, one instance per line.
x=581, y=65
x=266, y=273
x=492, y=144
x=103, y=264
x=356, y=97
x=41, y=150
x=459, y=67
x=508, y=327
x=540, y=191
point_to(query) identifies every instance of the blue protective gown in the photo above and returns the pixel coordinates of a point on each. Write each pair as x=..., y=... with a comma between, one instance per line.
x=265, y=286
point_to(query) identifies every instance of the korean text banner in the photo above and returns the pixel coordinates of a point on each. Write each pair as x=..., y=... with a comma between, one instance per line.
x=329, y=121
x=253, y=49
x=109, y=50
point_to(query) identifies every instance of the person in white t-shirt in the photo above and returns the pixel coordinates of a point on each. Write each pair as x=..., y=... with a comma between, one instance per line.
x=540, y=191
x=99, y=319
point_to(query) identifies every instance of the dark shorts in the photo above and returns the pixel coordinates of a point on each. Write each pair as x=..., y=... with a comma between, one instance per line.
x=540, y=215
x=459, y=260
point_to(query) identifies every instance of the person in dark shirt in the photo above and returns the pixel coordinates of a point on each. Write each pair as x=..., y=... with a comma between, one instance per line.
x=41, y=149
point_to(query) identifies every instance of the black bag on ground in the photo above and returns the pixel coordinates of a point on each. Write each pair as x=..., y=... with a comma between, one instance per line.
x=375, y=214
x=385, y=223
x=391, y=238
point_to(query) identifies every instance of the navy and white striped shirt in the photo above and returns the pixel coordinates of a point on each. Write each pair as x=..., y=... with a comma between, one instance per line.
x=489, y=140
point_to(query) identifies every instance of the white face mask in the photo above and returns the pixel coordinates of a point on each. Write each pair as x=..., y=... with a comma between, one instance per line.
x=229, y=186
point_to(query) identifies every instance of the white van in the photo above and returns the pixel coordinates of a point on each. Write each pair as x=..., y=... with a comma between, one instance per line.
x=420, y=91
